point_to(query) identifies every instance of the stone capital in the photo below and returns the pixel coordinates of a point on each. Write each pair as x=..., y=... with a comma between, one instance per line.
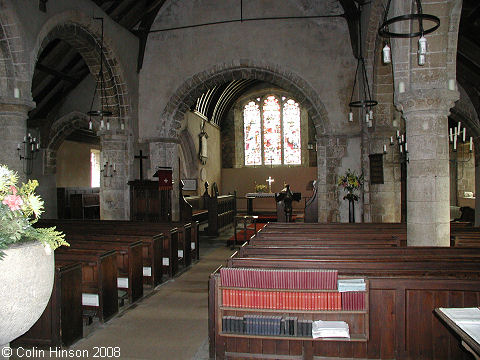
x=19, y=106
x=433, y=100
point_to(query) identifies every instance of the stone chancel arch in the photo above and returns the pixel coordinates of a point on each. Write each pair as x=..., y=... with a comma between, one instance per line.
x=165, y=151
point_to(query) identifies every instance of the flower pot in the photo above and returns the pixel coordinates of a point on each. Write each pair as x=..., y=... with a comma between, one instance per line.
x=26, y=282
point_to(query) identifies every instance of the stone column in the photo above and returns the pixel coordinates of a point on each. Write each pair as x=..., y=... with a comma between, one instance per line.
x=114, y=196
x=428, y=182
x=13, y=123
x=165, y=153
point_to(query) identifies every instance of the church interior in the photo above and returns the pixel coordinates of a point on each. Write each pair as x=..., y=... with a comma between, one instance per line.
x=222, y=168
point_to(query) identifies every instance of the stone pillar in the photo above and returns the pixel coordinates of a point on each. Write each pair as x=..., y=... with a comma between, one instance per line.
x=13, y=122
x=428, y=182
x=165, y=153
x=114, y=195
x=476, y=145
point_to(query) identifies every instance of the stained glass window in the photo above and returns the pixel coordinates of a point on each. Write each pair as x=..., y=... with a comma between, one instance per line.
x=272, y=132
x=291, y=133
x=252, y=134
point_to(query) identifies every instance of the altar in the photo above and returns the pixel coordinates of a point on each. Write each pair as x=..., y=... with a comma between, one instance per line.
x=251, y=196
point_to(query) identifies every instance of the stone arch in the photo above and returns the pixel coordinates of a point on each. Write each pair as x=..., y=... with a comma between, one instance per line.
x=189, y=155
x=196, y=85
x=14, y=69
x=59, y=131
x=84, y=35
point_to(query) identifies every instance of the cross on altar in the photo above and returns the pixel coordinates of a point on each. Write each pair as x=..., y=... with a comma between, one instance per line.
x=270, y=180
x=141, y=157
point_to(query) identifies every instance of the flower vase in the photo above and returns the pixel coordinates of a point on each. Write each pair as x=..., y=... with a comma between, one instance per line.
x=351, y=210
x=26, y=282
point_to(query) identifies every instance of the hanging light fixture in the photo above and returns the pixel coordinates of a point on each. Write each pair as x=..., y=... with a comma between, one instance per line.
x=365, y=100
x=102, y=112
x=419, y=17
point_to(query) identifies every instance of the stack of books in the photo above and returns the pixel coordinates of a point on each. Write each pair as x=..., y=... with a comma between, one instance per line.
x=330, y=329
x=279, y=279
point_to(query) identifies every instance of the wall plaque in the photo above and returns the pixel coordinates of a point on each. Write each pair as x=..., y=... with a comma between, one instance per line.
x=376, y=168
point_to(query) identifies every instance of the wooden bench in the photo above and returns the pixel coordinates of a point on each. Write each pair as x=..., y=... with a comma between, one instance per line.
x=133, y=228
x=129, y=260
x=61, y=323
x=99, y=279
x=194, y=208
x=402, y=297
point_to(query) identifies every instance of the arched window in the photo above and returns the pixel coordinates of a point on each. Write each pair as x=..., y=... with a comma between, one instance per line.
x=272, y=132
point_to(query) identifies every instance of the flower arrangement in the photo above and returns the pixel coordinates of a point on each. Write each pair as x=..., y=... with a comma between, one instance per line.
x=260, y=188
x=350, y=182
x=20, y=208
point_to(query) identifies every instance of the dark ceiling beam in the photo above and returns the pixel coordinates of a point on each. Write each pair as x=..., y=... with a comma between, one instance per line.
x=352, y=15
x=56, y=73
x=144, y=29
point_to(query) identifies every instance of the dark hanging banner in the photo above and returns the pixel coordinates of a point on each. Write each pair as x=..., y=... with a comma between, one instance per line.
x=376, y=168
x=164, y=178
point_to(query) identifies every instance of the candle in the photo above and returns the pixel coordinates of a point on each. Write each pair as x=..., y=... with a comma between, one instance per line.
x=398, y=133
x=350, y=116
x=451, y=134
x=370, y=114
x=451, y=84
x=122, y=125
x=391, y=140
x=16, y=93
x=18, y=146
x=102, y=124
x=458, y=127
x=367, y=118
x=384, y=148
x=90, y=125
x=108, y=125
x=471, y=144
x=401, y=149
x=38, y=146
x=403, y=138
x=401, y=87
x=406, y=149
x=24, y=139
x=455, y=143
x=114, y=167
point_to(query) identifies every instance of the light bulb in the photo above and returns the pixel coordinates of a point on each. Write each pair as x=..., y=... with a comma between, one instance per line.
x=387, y=58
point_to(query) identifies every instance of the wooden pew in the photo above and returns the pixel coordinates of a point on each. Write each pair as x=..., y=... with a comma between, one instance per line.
x=99, y=277
x=133, y=228
x=402, y=297
x=129, y=260
x=61, y=323
x=221, y=212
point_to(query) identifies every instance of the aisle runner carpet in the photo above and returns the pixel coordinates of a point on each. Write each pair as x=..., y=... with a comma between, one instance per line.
x=250, y=233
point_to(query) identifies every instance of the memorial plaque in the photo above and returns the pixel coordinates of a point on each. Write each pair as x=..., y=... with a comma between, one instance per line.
x=376, y=168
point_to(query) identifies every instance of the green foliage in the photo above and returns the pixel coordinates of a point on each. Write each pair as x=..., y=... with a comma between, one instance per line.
x=350, y=182
x=20, y=208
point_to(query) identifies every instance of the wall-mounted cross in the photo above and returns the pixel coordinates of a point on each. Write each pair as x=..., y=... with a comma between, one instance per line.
x=141, y=157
